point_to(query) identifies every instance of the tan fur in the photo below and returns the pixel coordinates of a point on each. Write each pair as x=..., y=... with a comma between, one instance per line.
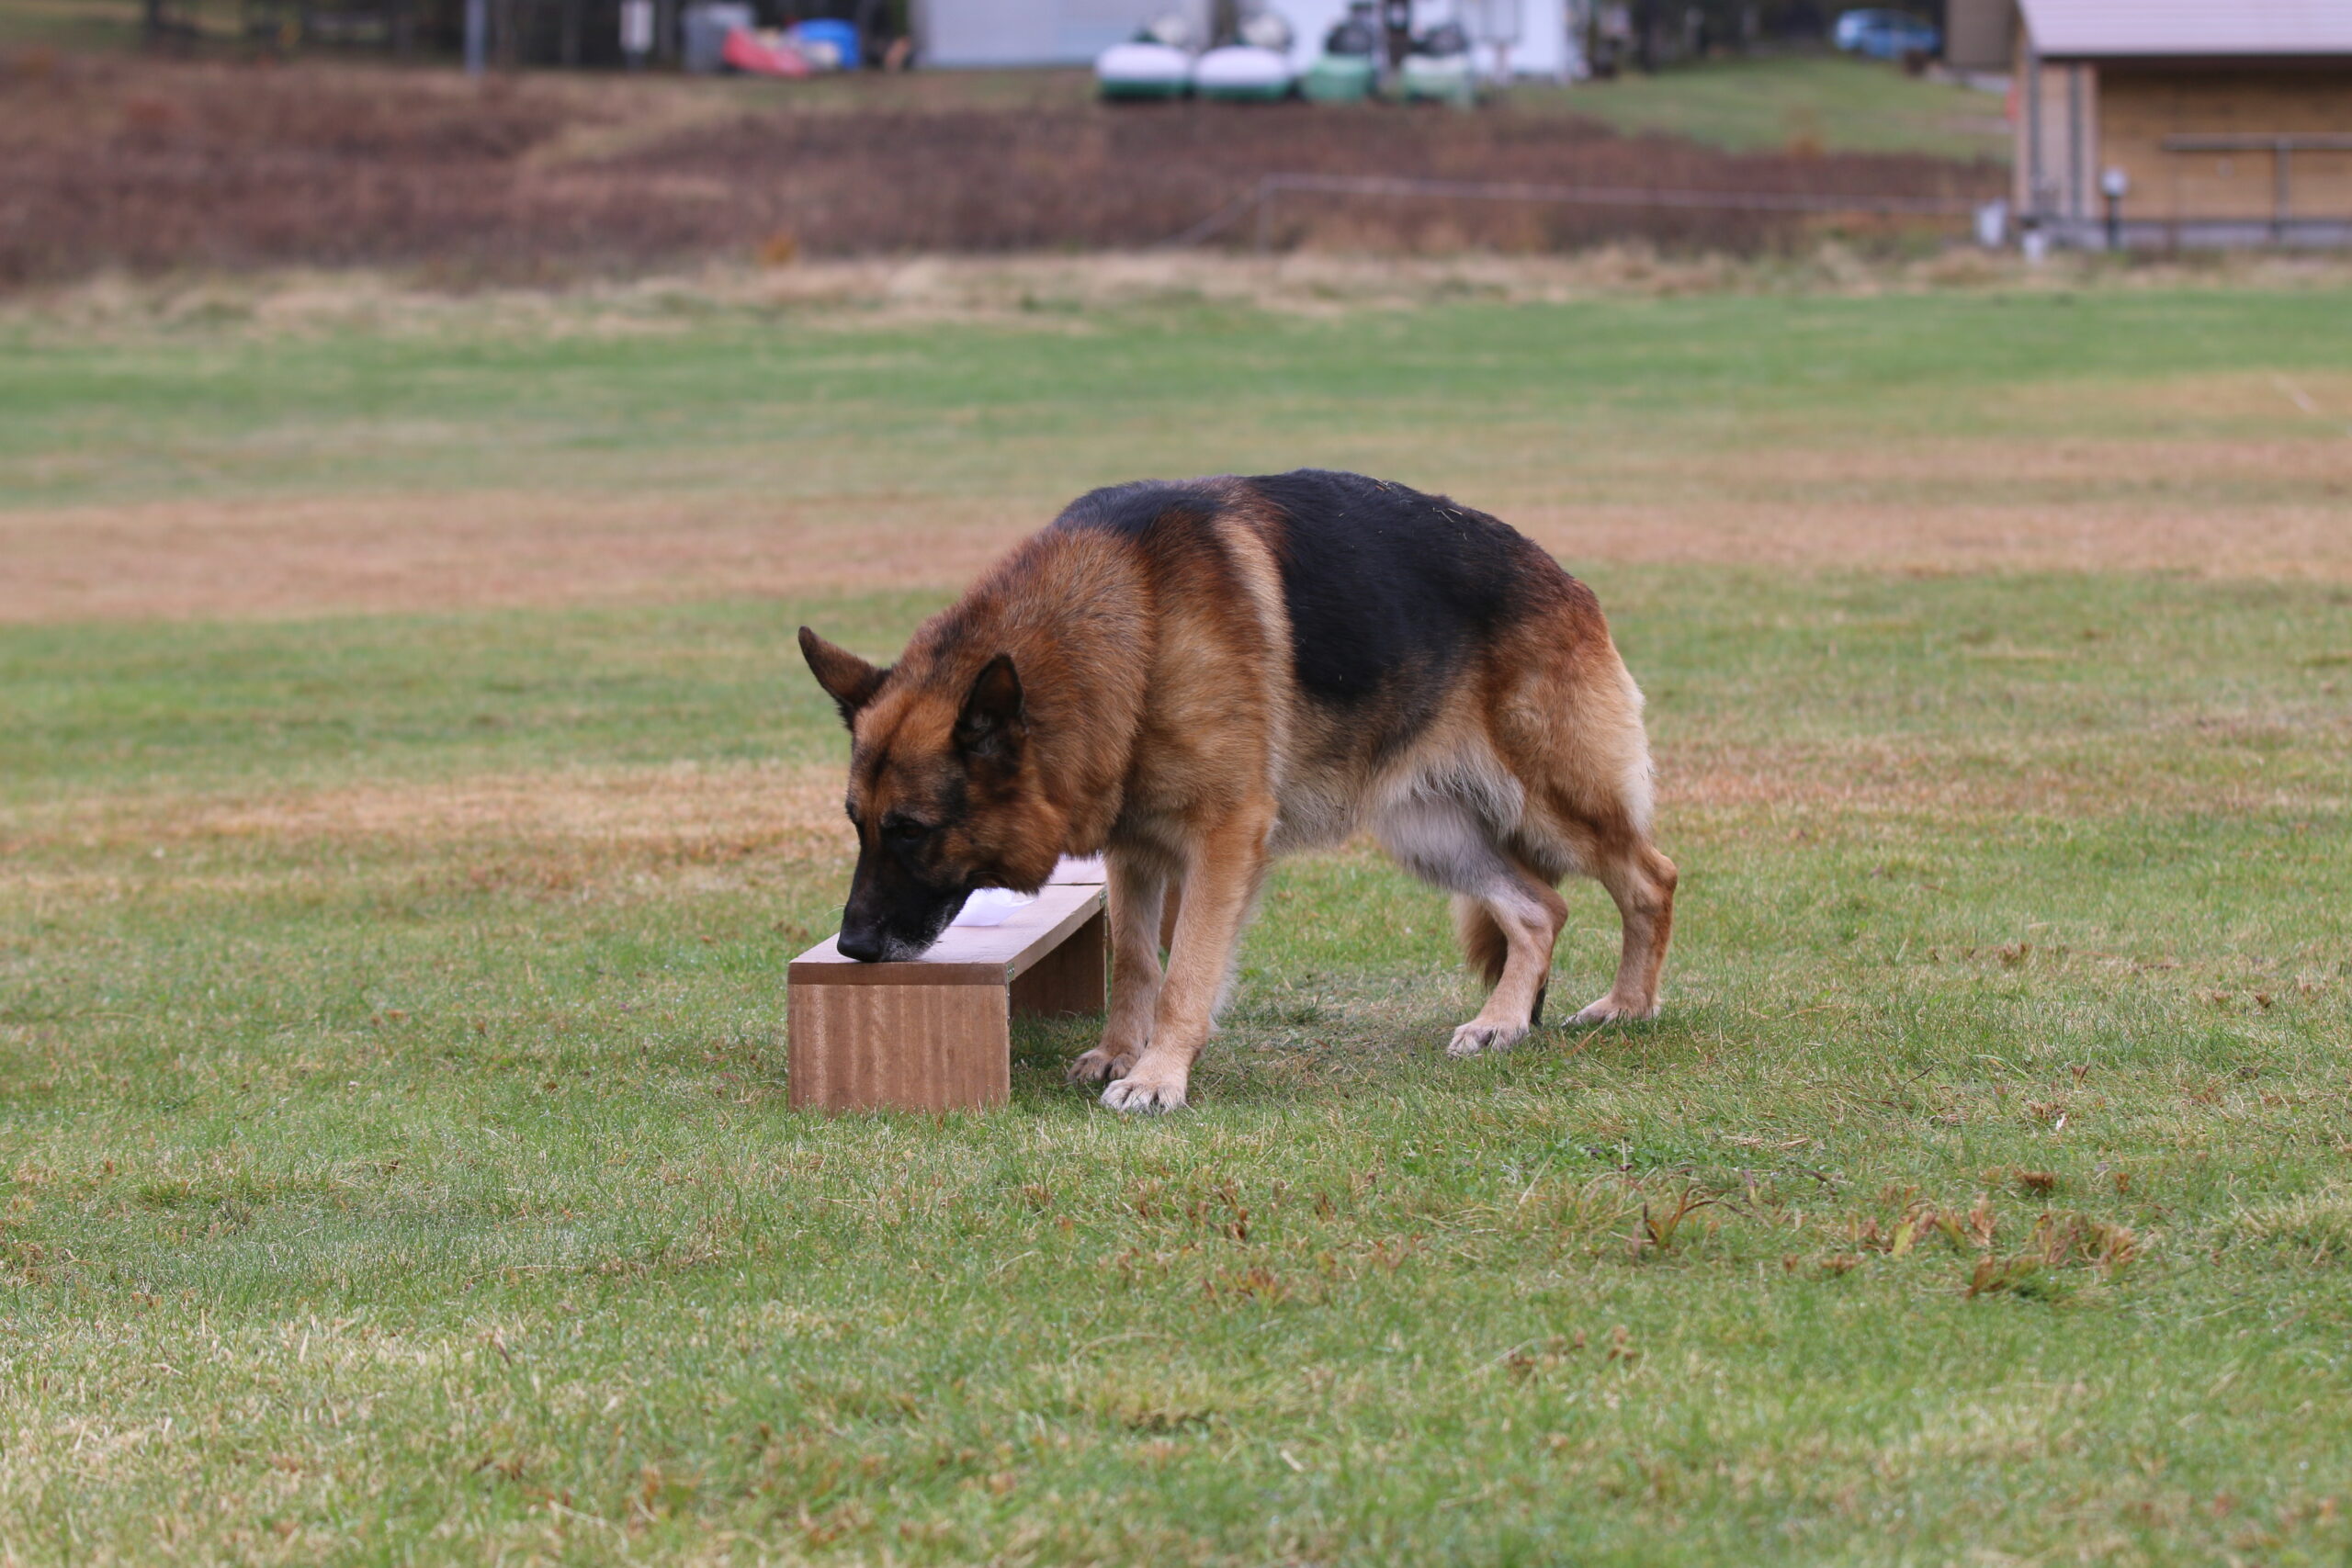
x=1484, y=945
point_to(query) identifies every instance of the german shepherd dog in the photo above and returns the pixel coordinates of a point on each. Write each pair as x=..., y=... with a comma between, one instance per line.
x=1192, y=678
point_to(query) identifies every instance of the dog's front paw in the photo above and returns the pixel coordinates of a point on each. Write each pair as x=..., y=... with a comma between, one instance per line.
x=1101, y=1065
x=1146, y=1093
x=1474, y=1037
x=1611, y=1008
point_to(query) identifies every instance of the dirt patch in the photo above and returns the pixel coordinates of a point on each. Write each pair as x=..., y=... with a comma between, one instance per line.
x=280, y=556
x=2268, y=508
x=680, y=810
x=571, y=827
x=2290, y=541
x=149, y=165
x=1881, y=777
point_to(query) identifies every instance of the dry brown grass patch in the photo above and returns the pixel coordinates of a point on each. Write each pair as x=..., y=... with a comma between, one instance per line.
x=681, y=810
x=1044, y=291
x=302, y=555
x=1982, y=781
x=693, y=813
x=2214, y=507
x=1973, y=534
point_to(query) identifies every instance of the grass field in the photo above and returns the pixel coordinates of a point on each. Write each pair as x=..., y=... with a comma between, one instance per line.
x=410, y=797
x=1825, y=101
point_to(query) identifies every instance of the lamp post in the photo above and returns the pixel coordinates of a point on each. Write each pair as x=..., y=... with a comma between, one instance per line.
x=1396, y=22
x=2114, y=185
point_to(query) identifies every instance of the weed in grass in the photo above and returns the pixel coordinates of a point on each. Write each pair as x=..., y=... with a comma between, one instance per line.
x=1655, y=1234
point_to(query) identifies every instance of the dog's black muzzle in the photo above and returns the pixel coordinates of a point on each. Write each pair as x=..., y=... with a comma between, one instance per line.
x=892, y=915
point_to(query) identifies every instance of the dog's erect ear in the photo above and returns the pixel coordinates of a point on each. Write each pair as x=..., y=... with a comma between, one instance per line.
x=990, y=725
x=849, y=680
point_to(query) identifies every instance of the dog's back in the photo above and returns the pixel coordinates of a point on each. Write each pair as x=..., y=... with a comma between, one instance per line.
x=1410, y=625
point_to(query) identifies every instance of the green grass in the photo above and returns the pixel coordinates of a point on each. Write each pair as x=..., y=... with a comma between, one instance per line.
x=96, y=26
x=1831, y=102
x=1470, y=393
x=386, y=1197
x=419, y=1203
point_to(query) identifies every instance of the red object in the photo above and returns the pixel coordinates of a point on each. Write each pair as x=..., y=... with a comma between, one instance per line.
x=745, y=52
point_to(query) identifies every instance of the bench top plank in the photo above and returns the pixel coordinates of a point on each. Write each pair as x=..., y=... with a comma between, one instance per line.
x=966, y=955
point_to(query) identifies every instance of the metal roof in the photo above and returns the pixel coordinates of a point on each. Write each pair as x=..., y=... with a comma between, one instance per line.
x=2112, y=28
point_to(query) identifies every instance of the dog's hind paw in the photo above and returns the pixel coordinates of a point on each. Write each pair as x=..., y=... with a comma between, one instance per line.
x=1609, y=1009
x=1144, y=1096
x=1099, y=1065
x=1474, y=1037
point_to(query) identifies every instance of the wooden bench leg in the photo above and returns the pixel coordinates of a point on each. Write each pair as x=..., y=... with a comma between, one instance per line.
x=900, y=1047
x=1067, y=982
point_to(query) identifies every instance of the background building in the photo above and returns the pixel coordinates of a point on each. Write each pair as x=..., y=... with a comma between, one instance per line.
x=2176, y=121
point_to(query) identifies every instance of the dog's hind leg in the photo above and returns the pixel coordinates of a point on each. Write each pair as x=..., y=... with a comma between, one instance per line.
x=1509, y=918
x=1641, y=882
x=1140, y=890
x=1571, y=733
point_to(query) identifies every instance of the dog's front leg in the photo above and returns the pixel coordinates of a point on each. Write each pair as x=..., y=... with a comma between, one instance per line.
x=1228, y=862
x=1136, y=902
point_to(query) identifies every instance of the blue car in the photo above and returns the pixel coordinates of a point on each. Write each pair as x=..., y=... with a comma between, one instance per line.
x=1885, y=35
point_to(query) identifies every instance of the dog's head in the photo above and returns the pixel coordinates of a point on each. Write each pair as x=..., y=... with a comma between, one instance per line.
x=943, y=792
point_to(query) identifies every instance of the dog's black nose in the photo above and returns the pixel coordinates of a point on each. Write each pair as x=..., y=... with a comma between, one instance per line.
x=863, y=943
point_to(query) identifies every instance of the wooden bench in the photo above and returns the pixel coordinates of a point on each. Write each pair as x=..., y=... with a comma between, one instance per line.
x=935, y=1032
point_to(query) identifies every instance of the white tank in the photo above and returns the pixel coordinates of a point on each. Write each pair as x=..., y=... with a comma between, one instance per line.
x=1241, y=71
x=1143, y=70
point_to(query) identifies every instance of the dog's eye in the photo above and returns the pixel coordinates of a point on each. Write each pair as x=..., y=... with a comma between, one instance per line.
x=900, y=831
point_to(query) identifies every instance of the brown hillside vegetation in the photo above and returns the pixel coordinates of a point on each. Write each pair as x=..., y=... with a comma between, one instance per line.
x=156, y=165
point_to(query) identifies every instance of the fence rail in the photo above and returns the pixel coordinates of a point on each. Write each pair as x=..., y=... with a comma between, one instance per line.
x=1261, y=198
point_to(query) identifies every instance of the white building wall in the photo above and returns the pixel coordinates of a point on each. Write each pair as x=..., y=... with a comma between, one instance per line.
x=956, y=33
